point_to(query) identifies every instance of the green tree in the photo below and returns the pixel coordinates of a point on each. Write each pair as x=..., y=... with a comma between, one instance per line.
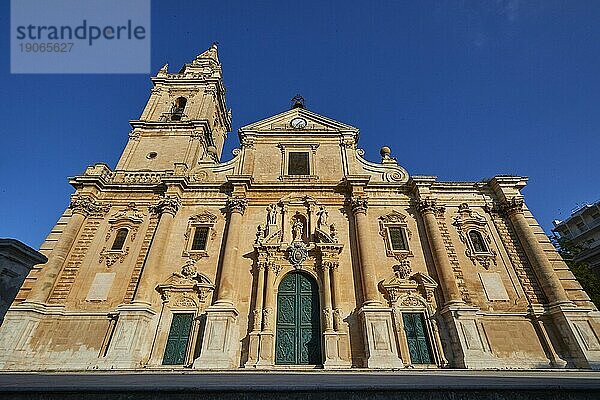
x=588, y=279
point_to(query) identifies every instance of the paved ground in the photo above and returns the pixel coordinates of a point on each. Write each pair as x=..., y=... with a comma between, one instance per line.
x=249, y=381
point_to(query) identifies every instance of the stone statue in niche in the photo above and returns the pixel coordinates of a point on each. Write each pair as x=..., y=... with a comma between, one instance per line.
x=272, y=214
x=323, y=215
x=297, y=229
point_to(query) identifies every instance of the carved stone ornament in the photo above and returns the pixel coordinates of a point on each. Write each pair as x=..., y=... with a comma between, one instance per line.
x=129, y=217
x=430, y=205
x=204, y=217
x=466, y=221
x=297, y=253
x=402, y=270
x=168, y=205
x=129, y=213
x=188, y=289
x=112, y=256
x=402, y=284
x=88, y=207
x=512, y=206
x=237, y=204
x=359, y=204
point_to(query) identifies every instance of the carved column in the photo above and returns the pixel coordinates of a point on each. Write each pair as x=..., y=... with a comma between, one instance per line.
x=221, y=345
x=82, y=207
x=367, y=261
x=254, y=344
x=549, y=281
x=154, y=270
x=327, y=302
x=236, y=206
x=335, y=297
x=267, y=335
x=428, y=209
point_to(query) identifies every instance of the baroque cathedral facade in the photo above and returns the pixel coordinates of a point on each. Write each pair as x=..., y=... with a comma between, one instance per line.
x=296, y=252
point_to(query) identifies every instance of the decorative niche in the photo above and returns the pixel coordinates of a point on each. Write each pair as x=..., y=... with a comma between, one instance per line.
x=200, y=232
x=396, y=235
x=474, y=233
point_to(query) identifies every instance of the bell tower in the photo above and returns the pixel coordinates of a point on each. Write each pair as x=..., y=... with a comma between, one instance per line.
x=185, y=120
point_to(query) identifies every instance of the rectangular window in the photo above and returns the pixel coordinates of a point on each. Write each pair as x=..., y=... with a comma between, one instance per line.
x=179, y=336
x=397, y=238
x=298, y=163
x=200, y=238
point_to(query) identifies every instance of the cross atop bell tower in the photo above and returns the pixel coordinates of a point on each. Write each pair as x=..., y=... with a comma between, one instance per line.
x=185, y=120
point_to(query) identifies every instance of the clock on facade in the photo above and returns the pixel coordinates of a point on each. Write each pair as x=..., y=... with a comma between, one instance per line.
x=298, y=123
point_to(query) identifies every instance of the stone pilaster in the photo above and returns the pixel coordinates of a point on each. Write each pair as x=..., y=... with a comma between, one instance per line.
x=220, y=347
x=82, y=207
x=155, y=270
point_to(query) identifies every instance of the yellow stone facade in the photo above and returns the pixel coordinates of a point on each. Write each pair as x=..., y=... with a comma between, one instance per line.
x=404, y=271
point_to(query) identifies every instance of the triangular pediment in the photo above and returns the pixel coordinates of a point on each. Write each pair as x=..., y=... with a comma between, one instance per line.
x=282, y=122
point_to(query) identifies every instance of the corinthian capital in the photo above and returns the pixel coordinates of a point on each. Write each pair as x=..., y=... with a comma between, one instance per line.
x=87, y=206
x=512, y=206
x=359, y=205
x=168, y=205
x=429, y=205
x=236, y=205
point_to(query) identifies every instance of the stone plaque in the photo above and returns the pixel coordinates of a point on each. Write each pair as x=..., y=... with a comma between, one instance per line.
x=493, y=286
x=101, y=286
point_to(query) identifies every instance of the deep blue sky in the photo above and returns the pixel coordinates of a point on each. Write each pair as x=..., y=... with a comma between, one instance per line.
x=459, y=89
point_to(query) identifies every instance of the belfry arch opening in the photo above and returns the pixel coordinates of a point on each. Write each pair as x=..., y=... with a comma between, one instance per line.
x=298, y=330
x=177, y=109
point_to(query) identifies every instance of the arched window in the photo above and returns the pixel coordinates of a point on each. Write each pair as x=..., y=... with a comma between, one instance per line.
x=478, y=242
x=120, y=239
x=178, y=107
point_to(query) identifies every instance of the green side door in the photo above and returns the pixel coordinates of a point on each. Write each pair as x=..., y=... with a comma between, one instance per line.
x=416, y=335
x=179, y=337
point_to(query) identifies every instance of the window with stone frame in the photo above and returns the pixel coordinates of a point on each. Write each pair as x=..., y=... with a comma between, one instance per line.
x=200, y=232
x=394, y=230
x=473, y=231
x=120, y=238
x=200, y=238
x=397, y=238
x=298, y=163
x=477, y=242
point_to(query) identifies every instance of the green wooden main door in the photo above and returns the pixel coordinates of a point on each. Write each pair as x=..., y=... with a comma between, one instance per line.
x=416, y=336
x=298, y=339
x=179, y=336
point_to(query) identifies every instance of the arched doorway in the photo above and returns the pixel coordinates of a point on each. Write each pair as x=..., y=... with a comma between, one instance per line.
x=298, y=333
